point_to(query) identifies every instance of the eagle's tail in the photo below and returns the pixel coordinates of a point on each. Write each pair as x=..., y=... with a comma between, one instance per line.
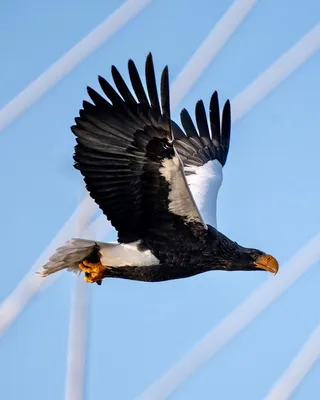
x=69, y=256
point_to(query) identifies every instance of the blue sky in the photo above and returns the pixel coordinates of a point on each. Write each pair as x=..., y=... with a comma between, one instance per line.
x=270, y=200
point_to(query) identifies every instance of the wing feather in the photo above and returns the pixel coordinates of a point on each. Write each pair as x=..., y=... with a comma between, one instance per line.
x=137, y=84
x=202, y=121
x=126, y=155
x=122, y=86
x=204, y=152
x=188, y=124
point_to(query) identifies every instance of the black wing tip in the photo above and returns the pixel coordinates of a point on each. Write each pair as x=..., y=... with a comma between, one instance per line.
x=202, y=121
x=131, y=64
x=226, y=130
x=214, y=101
x=165, y=93
x=219, y=134
x=101, y=80
x=227, y=104
x=187, y=123
x=91, y=93
x=149, y=64
x=89, y=89
x=115, y=73
x=226, y=113
x=184, y=111
x=86, y=104
x=166, y=71
x=200, y=104
x=151, y=83
x=165, y=77
x=74, y=128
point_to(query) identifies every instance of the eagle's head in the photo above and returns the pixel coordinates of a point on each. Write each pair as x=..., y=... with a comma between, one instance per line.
x=234, y=257
x=245, y=259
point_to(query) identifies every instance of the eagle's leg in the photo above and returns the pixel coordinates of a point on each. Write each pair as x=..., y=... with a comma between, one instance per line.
x=93, y=270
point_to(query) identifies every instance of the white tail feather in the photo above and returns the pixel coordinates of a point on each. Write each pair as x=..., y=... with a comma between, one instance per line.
x=68, y=256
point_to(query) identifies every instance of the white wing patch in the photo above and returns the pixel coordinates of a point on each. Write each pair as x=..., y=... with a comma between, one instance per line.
x=204, y=183
x=180, y=198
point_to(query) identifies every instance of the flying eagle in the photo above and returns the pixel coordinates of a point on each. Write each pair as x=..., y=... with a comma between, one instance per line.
x=150, y=179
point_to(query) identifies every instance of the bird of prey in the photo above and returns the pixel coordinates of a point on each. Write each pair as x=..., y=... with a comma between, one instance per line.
x=152, y=179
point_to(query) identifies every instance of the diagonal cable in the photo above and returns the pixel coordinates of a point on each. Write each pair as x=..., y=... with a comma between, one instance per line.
x=303, y=362
x=78, y=53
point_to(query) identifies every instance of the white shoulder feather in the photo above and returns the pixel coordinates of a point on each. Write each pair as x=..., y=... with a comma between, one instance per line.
x=204, y=183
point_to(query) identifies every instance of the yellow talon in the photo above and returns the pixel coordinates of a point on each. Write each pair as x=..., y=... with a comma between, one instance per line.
x=94, y=272
x=88, y=279
x=84, y=268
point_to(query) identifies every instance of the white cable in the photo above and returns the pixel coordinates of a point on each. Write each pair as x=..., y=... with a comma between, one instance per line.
x=102, y=227
x=11, y=307
x=25, y=99
x=235, y=322
x=292, y=59
x=77, y=343
x=76, y=359
x=209, y=48
x=298, y=369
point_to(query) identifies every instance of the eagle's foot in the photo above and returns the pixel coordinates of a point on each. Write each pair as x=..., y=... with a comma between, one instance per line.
x=94, y=272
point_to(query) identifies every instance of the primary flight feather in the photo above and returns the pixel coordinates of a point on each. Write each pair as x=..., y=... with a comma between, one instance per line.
x=154, y=182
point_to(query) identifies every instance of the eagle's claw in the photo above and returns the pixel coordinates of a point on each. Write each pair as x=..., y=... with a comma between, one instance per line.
x=94, y=272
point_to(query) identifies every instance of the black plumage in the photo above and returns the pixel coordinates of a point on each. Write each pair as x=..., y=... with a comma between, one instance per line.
x=120, y=146
x=197, y=147
x=132, y=157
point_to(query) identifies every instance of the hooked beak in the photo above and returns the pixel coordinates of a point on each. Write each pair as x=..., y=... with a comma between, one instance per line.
x=267, y=263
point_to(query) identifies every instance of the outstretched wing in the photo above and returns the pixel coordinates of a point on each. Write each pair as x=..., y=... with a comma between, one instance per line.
x=204, y=152
x=125, y=153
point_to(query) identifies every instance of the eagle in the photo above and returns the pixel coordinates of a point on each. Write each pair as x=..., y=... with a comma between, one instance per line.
x=154, y=182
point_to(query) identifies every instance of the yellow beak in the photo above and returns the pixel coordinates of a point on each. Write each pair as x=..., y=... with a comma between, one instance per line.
x=267, y=263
